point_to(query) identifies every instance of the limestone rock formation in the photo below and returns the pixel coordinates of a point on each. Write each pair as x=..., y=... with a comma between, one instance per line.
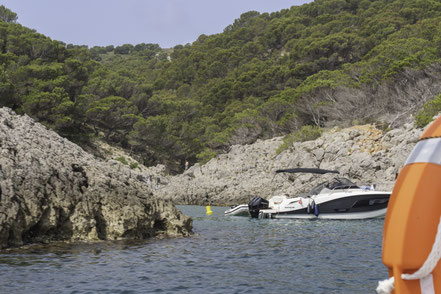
x=50, y=189
x=364, y=154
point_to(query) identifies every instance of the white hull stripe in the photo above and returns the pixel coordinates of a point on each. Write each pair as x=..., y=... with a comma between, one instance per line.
x=428, y=151
x=354, y=215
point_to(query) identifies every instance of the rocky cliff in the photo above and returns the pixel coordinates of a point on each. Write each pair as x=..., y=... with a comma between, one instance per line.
x=50, y=189
x=364, y=154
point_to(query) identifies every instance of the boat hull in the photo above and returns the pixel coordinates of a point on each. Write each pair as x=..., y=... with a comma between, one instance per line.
x=341, y=205
x=355, y=215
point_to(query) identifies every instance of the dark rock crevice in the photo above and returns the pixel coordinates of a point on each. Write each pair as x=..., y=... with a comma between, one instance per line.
x=101, y=224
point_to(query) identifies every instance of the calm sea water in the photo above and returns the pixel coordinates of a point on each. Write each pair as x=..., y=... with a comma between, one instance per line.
x=229, y=255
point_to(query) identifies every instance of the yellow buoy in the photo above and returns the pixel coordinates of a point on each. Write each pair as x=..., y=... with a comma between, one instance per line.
x=209, y=212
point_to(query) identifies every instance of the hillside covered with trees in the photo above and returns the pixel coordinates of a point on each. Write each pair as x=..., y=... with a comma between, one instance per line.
x=329, y=62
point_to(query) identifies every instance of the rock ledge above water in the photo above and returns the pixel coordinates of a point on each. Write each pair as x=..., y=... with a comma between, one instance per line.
x=52, y=190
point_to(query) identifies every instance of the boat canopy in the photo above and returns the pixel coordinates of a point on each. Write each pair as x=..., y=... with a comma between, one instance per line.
x=307, y=170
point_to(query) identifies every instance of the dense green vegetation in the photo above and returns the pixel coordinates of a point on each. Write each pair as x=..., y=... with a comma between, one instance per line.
x=306, y=133
x=265, y=75
x=429, y=110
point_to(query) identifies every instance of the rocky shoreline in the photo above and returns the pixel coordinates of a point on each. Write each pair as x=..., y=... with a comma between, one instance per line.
x=364, y=154
x=52, y=190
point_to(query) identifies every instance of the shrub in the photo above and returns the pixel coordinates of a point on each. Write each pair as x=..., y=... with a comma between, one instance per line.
x=206, y=155
x=123, y=160
x=430, y=109
x=306, y=133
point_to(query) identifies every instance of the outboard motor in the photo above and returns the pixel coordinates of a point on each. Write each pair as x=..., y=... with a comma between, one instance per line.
x=256, y=204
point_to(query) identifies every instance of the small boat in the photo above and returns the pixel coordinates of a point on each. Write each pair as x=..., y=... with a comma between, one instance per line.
x=238, y=210
x=338, y=198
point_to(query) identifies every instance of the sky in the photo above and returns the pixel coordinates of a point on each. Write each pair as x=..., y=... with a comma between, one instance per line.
x=116, y=22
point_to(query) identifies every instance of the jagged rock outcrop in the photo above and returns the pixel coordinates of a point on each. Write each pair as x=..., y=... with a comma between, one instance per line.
x=50, y=189
x=363, y=154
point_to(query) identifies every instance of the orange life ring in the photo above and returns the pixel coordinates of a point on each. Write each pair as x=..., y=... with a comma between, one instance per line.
x=413, y=214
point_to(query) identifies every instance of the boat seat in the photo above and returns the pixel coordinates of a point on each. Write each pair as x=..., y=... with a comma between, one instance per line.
x=278, y=199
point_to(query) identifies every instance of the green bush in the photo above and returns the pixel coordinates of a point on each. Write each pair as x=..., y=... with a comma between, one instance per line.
x=123, y=160
x=306, y=133
x=206, y=155
x=429, y=110
x=133, y=165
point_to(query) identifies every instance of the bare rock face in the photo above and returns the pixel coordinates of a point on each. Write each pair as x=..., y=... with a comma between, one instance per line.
x=50, y=190
x=364, y=154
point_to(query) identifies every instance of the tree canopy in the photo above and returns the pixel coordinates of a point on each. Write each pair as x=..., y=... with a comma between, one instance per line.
x=265, y=75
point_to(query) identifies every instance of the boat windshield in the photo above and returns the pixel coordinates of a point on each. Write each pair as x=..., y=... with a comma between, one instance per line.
x=334, y=184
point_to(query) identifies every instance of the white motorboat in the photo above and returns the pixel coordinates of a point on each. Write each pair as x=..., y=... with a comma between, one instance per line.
x=238, y=210
x=338, y=198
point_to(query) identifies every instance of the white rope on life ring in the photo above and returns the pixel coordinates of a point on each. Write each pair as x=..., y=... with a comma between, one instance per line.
x=424, y=273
